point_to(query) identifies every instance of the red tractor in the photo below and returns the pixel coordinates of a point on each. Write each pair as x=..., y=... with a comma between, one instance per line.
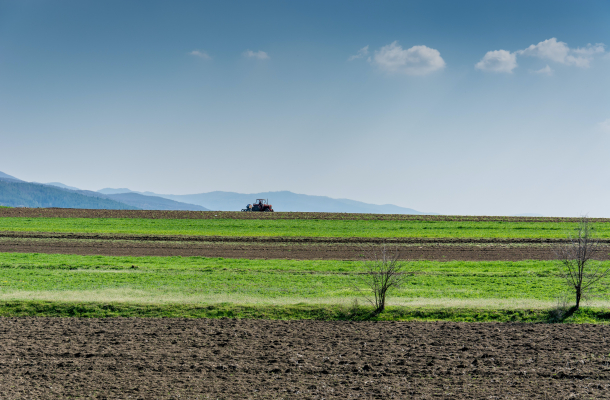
x=260, y=205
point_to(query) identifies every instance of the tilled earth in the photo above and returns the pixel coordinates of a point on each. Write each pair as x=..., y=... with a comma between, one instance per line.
x=279, y=247
x=168, y=214
x=248, y=359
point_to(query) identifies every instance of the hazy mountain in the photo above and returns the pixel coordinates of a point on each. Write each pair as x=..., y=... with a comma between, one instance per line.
x=7, y=177
x=123, y=198
x=15, y=193
x=145, y=202
x=288, y=201
x=124, y=190
x=153, y=202
x=56, y=194
x=61, y=185
x=281, y=201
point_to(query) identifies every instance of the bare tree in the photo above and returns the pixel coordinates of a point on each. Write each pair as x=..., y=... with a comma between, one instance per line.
x=582, y=272
x=384, y=272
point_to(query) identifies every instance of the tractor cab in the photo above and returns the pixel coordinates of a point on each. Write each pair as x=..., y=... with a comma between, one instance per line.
x=262, y=205
x=259, y=205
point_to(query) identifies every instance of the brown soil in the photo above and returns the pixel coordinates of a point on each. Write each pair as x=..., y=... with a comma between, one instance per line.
x=248, y=359
x=82, y=213
x=258, y=251
x=271, y=248
x=282, y=239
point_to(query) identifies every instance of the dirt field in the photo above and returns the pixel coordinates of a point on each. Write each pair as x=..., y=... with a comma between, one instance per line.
x=231, y=359
x=275, y=247
x=441, y=249
x=82, y=213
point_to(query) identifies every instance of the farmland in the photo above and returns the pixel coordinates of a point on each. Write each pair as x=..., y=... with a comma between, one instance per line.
x=299, y=227
x=497, y=264
x=197, y=280
x=297, y=248
x=184, y=273
x=238, y=224
x=231, y=358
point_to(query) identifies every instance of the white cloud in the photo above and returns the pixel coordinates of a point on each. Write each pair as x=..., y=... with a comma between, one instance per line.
x=604, y=126
x=418, y=60
x=591, y=49
x=363, y=52
x=498, y=61
x=200, y=54
x=559, y=52
x=544, y=71
x=259, y=55
x=549, y=49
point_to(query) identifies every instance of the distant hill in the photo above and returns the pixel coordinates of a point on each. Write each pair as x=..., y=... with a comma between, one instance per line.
x=136, y=200
x=56, y=194
x=145, y=202
x=281, y=201
x=15, y=193
x=288, y=201
x=61, y=185
x=123, y=190
x=7, y=177
x=153, y=202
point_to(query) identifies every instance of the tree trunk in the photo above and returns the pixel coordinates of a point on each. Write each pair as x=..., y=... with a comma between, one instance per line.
x=578, y=295
x=381, y=306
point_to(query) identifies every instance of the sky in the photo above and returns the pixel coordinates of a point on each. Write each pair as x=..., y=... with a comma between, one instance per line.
x=464, y=108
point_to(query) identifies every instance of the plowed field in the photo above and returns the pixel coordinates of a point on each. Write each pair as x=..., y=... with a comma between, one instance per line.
x=235, y=359
x=278, y=247
x=158, y=214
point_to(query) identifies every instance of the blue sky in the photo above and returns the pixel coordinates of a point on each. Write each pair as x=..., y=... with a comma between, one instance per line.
x=471, y=107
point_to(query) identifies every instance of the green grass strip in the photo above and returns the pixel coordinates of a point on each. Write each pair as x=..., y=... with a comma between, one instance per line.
x=57, y=277
x=302, y=228
x=292, y=312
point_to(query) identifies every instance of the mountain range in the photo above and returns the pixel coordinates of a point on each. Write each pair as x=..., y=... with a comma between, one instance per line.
x=17, y=193
x=281, y=201
x=7, y=177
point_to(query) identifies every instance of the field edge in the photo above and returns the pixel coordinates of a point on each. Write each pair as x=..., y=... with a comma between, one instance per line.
x=10, y=309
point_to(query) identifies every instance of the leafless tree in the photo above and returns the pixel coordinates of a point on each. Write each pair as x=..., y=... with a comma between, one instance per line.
x=384, y=272
x=583, y=274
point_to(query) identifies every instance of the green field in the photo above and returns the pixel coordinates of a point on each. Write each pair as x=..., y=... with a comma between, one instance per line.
x=296, y=227
x=61, y=285
x=198, y=280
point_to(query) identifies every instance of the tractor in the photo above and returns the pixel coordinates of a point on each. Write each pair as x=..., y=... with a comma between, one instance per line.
x=260, y=205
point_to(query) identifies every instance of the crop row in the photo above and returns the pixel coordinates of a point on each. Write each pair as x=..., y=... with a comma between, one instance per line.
x=206, y=280
x=301, y=228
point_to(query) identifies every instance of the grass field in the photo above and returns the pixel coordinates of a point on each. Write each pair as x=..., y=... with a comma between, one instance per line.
x=306, y=228
x=49, y=284
x=197, y=280
x=29, y=308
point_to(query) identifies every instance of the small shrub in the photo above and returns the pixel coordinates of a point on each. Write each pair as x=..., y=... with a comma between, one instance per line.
x=384, y=272
x=584, y=275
